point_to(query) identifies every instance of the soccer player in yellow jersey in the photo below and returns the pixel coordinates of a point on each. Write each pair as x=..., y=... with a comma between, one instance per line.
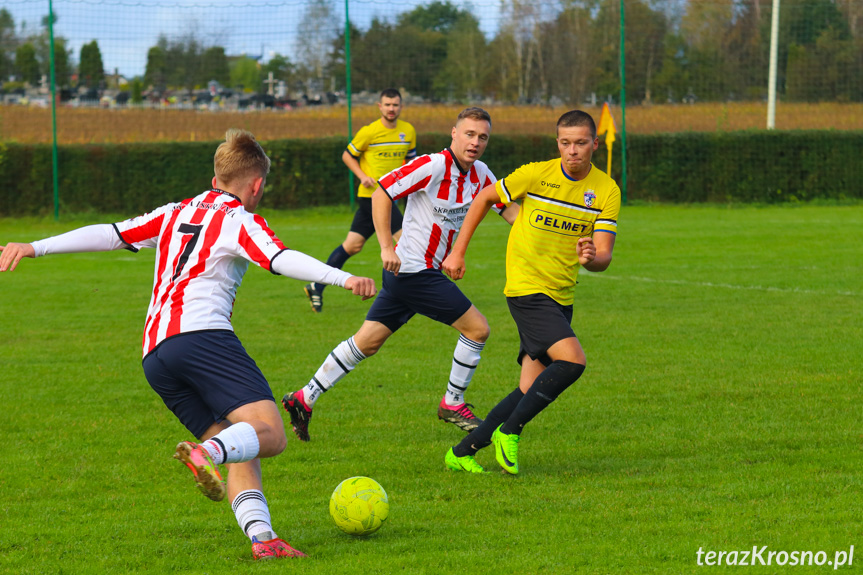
x=568, y=219
x=377, y=149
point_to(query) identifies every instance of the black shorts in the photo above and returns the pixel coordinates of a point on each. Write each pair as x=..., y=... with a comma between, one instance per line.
x=541, y=323
x=363, y=223
x=427, y=293
x=202, y=376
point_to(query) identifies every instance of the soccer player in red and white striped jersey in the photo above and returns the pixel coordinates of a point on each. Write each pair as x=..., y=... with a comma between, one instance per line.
x=192, y=358
x=439, y=189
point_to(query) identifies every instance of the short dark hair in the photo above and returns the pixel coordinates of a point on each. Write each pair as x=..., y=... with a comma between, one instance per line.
x=474, y=114
x=577, y=118
x=390, y=93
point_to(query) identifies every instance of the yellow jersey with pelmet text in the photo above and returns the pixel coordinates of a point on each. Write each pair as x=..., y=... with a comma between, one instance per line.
x=556, y=211
x=381, y=150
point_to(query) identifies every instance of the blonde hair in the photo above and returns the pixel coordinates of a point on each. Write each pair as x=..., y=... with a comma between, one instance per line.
x=240, y=156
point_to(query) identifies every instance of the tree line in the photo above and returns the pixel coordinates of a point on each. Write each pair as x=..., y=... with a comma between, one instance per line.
x=550, y=51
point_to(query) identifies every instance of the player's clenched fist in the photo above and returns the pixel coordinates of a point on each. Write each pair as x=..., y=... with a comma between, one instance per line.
x=11, y=254
x=586, y=250
x=360, y=286
x=453, y=266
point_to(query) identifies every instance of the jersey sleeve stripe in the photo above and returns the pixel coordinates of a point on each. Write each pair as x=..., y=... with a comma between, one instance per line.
x=263, y=223
x=389, y=179
x=272, y=259
x=606, y=222
x=129, y=247
x=417, y=186
x=147, y=230
x=352, y=150
x=505, y=190
x=255, y=253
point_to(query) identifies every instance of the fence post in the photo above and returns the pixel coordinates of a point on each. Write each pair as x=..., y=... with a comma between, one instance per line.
x=774, y=49
x=53, y=112
x=348, y=93
x=622, y=105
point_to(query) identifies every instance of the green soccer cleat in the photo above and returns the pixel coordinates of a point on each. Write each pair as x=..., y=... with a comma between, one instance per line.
x=467, y=463
x=506, y=450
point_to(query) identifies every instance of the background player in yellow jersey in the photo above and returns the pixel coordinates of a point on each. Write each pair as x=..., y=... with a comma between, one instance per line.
x=377, y=149
x=568, y=218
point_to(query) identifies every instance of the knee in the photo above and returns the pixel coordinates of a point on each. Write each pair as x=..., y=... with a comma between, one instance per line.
x=281, y=443
x=479, y=331
x=278, y=441
x=353, y=247
x=370, y=348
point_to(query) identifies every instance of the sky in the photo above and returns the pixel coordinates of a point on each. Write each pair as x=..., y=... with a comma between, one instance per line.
x=127, y=29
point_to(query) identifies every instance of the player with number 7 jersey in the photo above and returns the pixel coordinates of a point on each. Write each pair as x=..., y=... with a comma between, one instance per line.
x=203, y=248
x=192, y=358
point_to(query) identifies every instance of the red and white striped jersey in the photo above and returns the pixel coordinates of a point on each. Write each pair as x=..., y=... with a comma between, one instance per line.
x=203, y=248
x=439, y=194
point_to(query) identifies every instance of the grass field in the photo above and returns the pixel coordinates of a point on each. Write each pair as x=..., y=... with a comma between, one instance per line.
x=721, y=410
x=87, y=125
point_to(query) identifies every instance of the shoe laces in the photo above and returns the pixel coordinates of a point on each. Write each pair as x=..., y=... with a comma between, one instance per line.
x=465, y=411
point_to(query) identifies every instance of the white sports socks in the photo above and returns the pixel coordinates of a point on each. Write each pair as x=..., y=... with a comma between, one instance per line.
x=464, y=361
x=341, y=361
x=253, y=515
x=236, y=444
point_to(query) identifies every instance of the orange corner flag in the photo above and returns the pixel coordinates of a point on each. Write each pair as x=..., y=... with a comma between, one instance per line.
x=606, y=126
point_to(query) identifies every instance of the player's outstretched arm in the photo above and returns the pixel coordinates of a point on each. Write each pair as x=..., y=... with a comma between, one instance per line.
x=12, y=253
x=95, y=238
x=453, y=265
x=299, y=266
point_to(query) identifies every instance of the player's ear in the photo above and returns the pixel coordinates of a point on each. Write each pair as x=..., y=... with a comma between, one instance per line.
x=215, y=182
x=258, y=186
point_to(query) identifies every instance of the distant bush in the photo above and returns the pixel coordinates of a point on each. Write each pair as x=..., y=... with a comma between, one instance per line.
x=767, y=167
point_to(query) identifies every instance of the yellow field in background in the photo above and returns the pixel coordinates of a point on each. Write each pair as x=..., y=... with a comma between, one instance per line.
x=94, y=125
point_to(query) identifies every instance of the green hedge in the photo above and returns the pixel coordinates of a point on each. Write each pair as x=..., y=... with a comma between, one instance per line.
x=757, y=166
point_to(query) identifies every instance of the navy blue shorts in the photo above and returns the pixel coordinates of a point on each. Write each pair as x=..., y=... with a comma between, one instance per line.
x=202, y=376
x=541, y=323
x=363, y=223
x=427, y=293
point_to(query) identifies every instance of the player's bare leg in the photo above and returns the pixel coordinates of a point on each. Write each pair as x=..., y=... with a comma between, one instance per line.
x=474, y=331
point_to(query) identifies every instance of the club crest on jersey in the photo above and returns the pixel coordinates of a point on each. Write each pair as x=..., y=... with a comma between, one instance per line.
x=402, y=136
x=589, y=198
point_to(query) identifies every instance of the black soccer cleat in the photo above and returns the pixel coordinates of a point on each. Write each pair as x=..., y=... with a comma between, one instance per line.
x=300, y=417
x=460, y=415
x=316, y=297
